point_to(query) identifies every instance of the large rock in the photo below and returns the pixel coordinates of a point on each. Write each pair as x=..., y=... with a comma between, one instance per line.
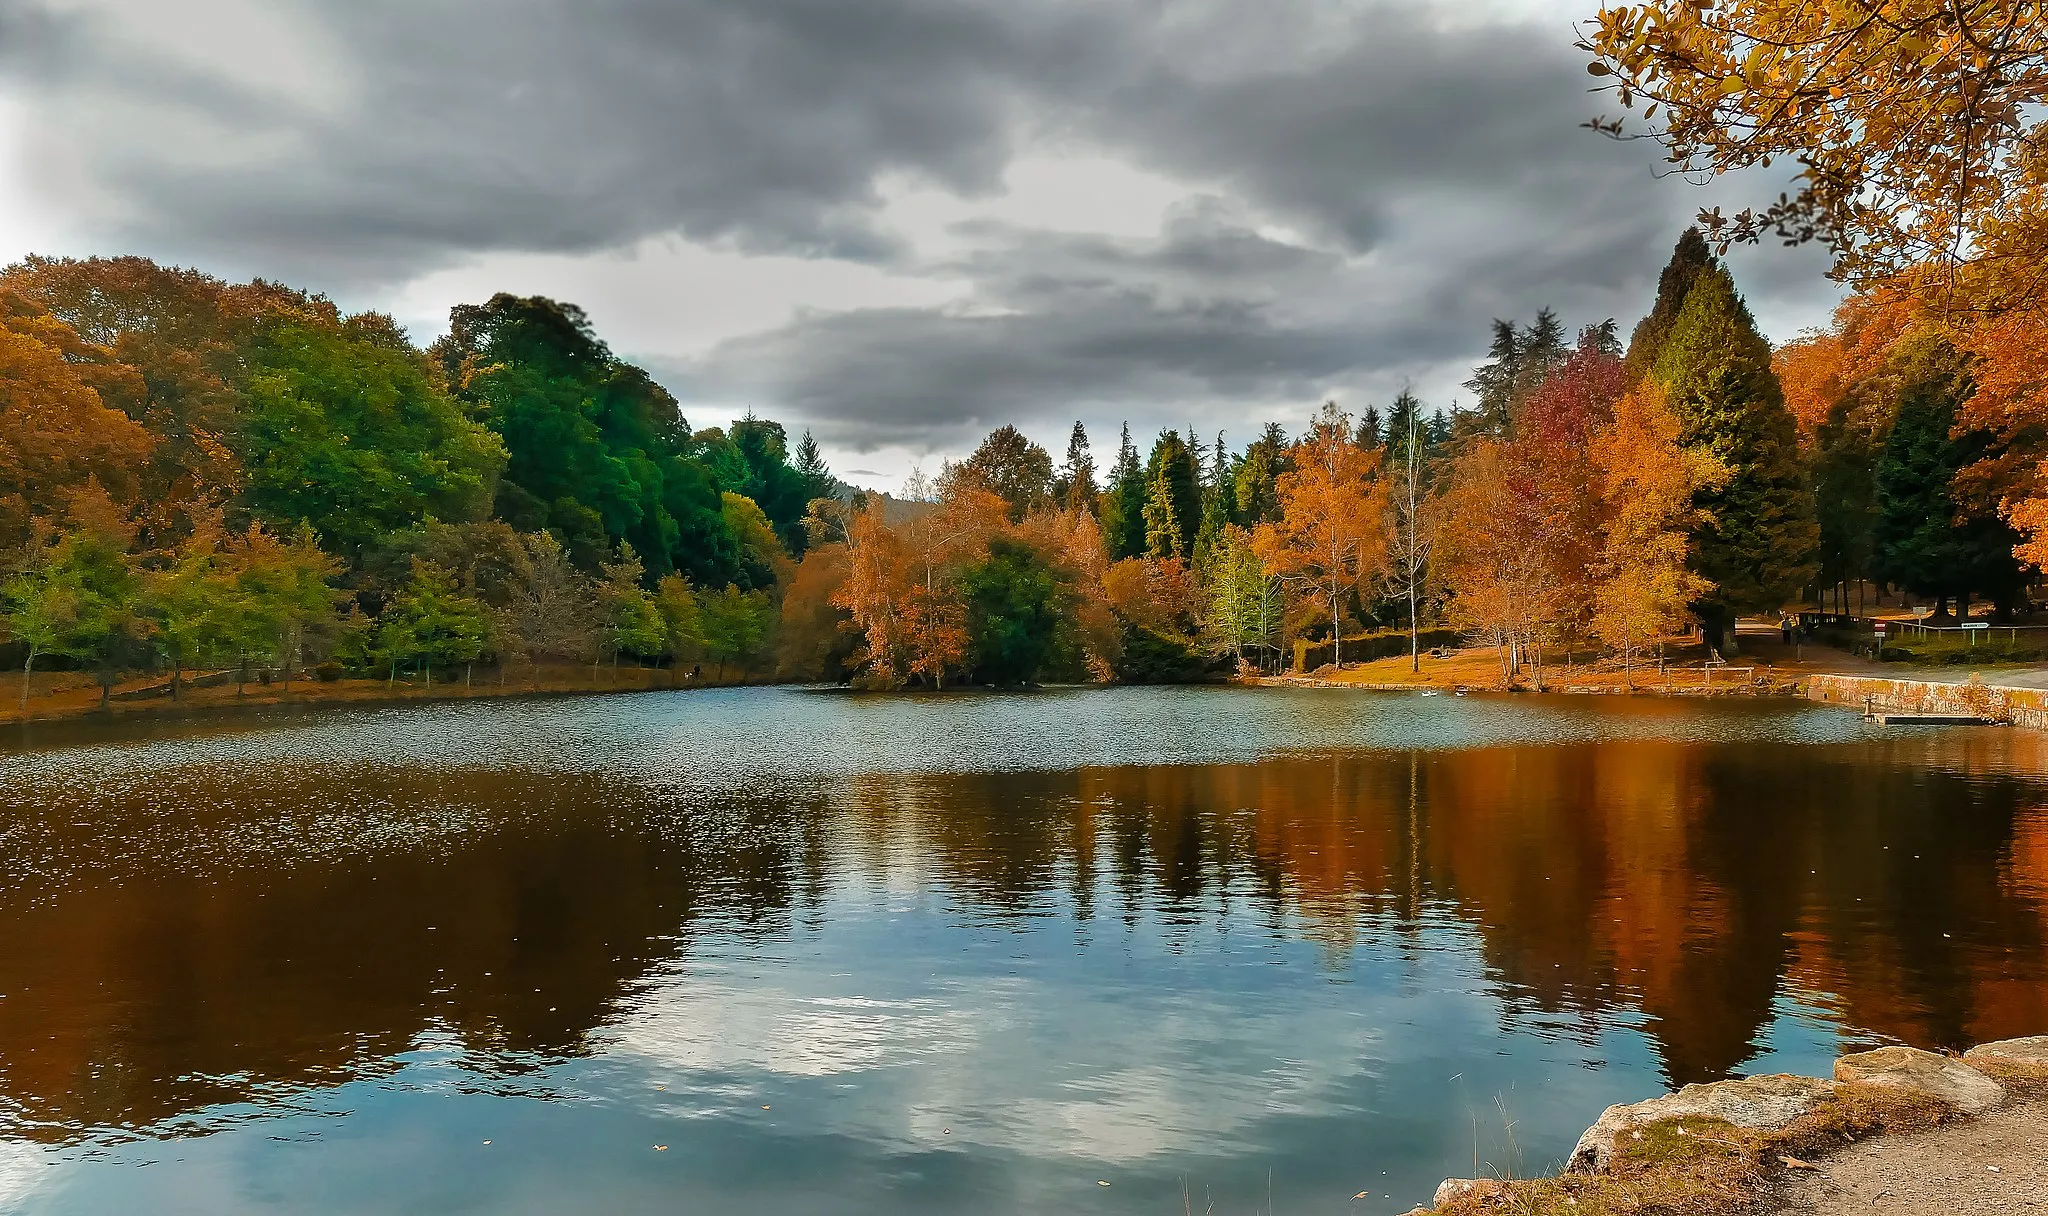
x=1761, y=1103
x=1458, y=1188
x=1970, y=1092
x=2029, y=1053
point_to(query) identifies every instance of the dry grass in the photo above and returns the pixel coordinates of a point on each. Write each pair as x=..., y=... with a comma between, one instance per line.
x=1706, y=1167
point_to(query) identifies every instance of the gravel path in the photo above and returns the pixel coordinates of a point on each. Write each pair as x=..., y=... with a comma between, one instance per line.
x=1998, y=1163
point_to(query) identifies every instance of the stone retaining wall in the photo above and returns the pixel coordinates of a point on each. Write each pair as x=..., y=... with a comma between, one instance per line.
x=2016, y=706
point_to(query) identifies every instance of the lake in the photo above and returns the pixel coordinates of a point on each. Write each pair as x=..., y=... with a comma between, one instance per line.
x=1102, y=951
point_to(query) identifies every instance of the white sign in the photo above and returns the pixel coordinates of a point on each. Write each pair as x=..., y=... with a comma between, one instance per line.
x=1975, y=625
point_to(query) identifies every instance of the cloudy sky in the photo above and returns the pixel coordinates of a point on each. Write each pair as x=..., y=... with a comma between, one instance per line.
x=898, y=223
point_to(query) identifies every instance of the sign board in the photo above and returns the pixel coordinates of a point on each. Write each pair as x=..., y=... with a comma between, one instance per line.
x=1880, y=626
x=1974, y=625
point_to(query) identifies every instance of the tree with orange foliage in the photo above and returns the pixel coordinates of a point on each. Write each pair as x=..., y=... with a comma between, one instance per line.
x=900, y=591
x=56, y=433
x=1646, y=485
x=1328, y=540
x=1495, y=576
x=1917, y=126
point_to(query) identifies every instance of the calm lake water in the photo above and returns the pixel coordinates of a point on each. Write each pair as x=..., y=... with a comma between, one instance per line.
x=770, y=951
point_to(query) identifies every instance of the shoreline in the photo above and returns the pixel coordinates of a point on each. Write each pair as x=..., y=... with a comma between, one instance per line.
x=1892, y=1116
x=150, y=700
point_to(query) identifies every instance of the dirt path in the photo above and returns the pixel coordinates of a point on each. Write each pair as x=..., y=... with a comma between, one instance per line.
x=1998, y=1163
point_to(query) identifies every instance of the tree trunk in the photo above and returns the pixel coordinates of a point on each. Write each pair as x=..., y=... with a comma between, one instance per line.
x=391, y=680
x=177, y=680
x=27, y=669
x=469, y=675
x=1336, y=633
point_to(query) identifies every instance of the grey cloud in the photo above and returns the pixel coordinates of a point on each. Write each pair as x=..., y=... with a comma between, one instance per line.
x=1431, y=176
x=564, y=127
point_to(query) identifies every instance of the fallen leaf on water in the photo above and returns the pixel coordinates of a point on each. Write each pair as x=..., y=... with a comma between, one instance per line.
x=1361, y=1195
x=661, y=1148
x=1101, y=1182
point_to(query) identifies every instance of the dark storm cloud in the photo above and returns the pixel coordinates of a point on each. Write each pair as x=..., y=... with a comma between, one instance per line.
x=462, y=127
x=1376, y=182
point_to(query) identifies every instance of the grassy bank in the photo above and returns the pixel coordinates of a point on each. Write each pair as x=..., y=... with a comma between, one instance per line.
x=64, y=696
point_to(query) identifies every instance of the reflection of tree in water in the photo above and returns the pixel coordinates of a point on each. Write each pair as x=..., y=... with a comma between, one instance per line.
x=1698, y=885
x=141, y=991
x=1904, y=883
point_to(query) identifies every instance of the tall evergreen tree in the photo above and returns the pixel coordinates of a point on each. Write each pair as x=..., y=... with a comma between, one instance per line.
x=1688, y=261
x=1077, y=475
x=1173, y=464
x=1219, y=500
x=1401, y=420
x=1846, y=450
x=1498, y=379
x=1123, y=514
x=1257, y=477
x=1924, y=541
x=1162, y=525
x=1542, y=350
x=1371, y=430
x=810, y=465
x=1759, y=539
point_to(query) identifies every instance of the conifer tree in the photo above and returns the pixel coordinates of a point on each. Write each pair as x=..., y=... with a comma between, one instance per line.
x=1077, y=476
x=1758, y=540
x=1123, y=515
x=1497, y=380
x=1688, y=261
x=1541, y=350
x=1371, y=431
x=1162, y=523
x=1174, y=463
x=1219, y=497
x=1925, y=541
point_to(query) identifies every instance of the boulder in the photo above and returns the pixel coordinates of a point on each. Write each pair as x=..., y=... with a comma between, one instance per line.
x=2028, y=1053
x=1970, y=1092
x=1458, y=1188
x=1760, y=1103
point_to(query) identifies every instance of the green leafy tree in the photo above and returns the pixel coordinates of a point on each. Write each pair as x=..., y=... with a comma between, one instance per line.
x=780, y=489
x=284, y=598
x=1244, y=603
x=1019, y=615
x=631, y=621
x=347, y=430
x=79, y=596
x=682, y=623
x=1014, y=469
x=42, y=605
x=431, y=622
x=597, y=451
x=735, y=625
x=192, y=602
x=1759, y=539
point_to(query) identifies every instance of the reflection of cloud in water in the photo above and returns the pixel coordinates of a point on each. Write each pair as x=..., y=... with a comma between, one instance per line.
x=1013, y=1064
x=722, y=1029
x=24, y=1168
